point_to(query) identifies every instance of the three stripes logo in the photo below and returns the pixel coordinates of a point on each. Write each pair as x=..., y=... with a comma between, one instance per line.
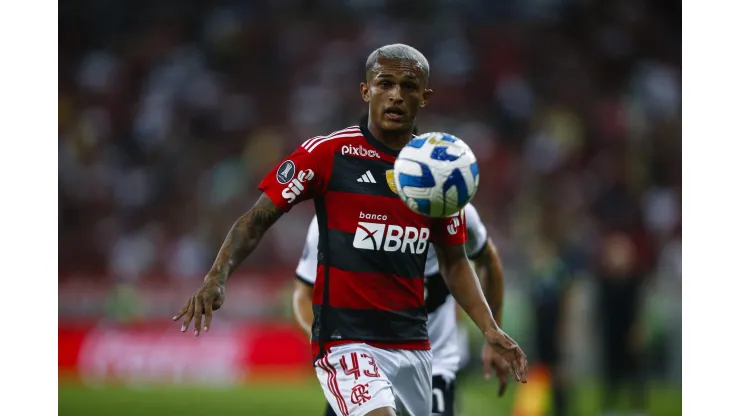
x=367, y=177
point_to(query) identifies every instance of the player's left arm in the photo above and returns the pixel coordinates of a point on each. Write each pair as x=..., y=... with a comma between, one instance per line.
x=465, y=287
x=449, y=237
x=484, y=255
x=491, y=275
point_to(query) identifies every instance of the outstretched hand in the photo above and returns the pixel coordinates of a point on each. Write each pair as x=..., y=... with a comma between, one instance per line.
x=493, y=360
x=510, y=351
x=210, y=297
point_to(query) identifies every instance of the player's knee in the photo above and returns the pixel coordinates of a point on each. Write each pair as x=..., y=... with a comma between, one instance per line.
x=383, y=411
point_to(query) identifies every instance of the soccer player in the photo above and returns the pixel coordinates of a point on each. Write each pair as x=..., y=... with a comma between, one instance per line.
x=369, y=335
x=441, y=308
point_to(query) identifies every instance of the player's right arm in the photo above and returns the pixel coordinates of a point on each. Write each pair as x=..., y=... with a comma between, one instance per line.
x=301, y=176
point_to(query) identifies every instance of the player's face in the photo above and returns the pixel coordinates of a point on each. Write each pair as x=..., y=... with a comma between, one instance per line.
x=395, y=90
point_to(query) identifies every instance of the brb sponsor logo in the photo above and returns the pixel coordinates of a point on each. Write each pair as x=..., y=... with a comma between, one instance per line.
x=359, y=151
x=295, y=187
x=388, y=237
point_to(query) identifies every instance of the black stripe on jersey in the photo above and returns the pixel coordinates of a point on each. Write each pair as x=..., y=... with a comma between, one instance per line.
x=348, y=169
x=374, y=324
x=478, y=252
x=346, y=257
x=321, y=322
x=437, y=292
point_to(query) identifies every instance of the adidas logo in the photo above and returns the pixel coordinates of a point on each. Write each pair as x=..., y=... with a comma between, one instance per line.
x=366, y=177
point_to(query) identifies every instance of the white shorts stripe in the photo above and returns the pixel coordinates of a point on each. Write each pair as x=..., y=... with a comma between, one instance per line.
x=332, y=384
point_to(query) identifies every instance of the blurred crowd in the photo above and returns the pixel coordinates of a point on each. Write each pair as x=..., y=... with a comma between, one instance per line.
x=170, y=112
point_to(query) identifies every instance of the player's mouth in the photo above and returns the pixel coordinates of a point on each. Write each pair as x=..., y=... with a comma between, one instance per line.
x=394, y=113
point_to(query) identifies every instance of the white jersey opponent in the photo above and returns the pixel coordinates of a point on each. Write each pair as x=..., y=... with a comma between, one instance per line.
x=440, y=304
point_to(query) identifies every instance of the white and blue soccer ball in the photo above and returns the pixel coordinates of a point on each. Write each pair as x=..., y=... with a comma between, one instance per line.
x=436, y=174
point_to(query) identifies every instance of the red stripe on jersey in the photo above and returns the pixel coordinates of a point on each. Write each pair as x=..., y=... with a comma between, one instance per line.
x=349, y=206
x=369, y=290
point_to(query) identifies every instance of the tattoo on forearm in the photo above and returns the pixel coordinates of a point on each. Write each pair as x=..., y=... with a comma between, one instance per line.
x=243, y=238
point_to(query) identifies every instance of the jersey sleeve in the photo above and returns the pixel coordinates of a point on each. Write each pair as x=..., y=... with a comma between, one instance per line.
x=477, y=234
x=450, y=230
x=306, y=270
x=302, y=175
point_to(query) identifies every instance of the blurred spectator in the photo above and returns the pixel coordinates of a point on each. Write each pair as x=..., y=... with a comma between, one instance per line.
x=620, y=280
x=551, y=281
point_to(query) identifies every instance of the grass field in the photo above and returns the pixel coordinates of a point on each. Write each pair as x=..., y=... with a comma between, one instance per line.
x=477, y=398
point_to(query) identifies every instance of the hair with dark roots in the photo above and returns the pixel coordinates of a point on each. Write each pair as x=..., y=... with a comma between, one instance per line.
x=397, y=52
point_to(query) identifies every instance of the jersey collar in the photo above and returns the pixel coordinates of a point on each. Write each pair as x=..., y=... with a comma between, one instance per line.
x=377, y=143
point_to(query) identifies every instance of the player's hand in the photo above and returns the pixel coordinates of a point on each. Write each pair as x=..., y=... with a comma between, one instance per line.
x=492, y=359
x=210, y=297
x=510, y=351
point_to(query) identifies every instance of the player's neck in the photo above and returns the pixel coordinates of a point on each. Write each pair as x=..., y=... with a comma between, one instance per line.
x=394, y=140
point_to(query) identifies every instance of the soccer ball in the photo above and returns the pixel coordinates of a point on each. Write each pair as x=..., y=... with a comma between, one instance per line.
x=436, y=174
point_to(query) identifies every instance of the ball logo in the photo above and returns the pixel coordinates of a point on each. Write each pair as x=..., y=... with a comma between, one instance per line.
x=359, y=151
x=285, y=172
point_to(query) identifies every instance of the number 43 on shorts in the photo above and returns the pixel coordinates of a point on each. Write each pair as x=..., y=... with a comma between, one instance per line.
x=352, y=382
x=370, y=368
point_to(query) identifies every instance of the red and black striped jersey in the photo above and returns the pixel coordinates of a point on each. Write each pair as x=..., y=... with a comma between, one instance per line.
x=372, y=248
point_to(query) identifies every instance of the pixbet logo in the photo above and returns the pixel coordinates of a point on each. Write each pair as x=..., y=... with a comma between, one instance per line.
x=359, y=151
x=376, y=236
x=295, y=187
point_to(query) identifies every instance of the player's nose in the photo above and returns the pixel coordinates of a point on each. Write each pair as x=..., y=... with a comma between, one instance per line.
x=394, y=95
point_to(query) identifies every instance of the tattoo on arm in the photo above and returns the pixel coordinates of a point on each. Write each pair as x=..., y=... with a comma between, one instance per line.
x=244, y=237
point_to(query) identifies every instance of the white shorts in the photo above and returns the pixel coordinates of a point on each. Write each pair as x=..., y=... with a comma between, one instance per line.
x=358, y=378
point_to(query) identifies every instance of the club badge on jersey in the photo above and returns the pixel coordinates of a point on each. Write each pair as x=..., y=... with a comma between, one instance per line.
x=391, y=181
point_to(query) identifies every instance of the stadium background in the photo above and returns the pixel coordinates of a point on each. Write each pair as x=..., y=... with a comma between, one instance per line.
x=170, y=112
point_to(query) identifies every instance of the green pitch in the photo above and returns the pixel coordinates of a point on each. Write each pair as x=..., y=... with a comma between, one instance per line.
x=477, y=398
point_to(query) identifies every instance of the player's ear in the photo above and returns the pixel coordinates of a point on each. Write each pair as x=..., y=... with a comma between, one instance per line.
x=365, y=92
x=425, y=96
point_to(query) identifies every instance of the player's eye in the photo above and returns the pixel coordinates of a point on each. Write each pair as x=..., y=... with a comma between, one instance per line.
x=411, y=86
x=386, y=84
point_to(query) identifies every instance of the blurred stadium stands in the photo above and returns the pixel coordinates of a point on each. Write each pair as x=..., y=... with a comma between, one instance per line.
x=171, y=111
